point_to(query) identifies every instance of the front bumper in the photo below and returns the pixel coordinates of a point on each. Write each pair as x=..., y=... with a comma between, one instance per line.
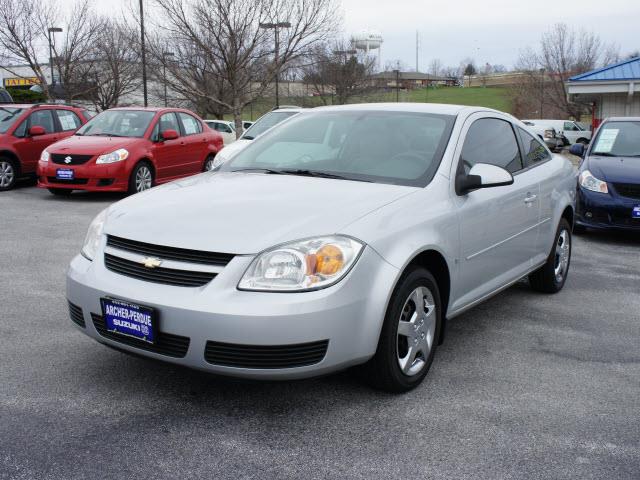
x=349, y=315
x=112, y=177
x=606, y=211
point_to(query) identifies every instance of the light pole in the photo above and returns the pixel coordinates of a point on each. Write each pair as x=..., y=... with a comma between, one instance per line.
x=343, y=67
x=165, y=55
x=51, y=30
x=397, y=72
x=144, y=55
x=541, y=91
x=275, y=26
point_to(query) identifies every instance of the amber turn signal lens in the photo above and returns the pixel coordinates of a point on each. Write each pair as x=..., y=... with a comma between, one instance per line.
x=329, y=260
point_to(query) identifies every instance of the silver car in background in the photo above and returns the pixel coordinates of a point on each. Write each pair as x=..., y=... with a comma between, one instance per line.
x=347, y=236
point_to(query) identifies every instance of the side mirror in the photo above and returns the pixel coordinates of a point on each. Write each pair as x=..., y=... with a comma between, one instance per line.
x=36, y=130
x=577, y=149
x=482, y=175
x=169, y=134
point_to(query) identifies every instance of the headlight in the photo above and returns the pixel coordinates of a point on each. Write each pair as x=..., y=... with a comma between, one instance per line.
x=44, y=156
x=94, y=235
x=588, y=181
x=113, y=157
x=303, y=265
x=549, y=134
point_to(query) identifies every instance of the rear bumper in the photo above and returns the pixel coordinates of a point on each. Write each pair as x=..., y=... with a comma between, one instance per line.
x=89, y=176
x=606, y=211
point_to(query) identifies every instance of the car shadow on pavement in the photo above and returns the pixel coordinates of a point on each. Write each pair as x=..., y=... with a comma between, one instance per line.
x=620, y=237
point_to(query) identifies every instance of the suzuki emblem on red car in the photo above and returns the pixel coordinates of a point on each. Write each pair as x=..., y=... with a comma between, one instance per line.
x=67, y=159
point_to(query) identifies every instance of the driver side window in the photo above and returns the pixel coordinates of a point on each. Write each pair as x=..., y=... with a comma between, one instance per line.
x=492, y=141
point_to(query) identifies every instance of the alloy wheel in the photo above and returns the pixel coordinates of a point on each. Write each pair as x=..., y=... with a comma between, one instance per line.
x=143, y=179
x=416, y=331
x=563, y=251
x=208, y=165
x=7, y=174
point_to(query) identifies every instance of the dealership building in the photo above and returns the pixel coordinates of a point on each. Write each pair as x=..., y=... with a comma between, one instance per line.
x=613, y=91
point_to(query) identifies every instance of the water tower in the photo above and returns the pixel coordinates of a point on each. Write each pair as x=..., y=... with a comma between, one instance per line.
x=371, y=42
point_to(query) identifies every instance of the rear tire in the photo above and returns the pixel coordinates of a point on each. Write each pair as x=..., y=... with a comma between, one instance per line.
x=60, y=192
x=551, y=277
x=409, y=334
x=9, y=171
x=583, y=141
x=141, y=178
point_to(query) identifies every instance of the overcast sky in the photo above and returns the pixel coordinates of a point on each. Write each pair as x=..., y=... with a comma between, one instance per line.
x=492, y=31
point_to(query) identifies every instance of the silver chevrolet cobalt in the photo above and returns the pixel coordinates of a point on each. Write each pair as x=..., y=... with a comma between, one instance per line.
x=346, y=236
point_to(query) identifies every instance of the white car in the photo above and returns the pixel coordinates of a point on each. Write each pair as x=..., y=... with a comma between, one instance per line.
x=264, y=123
x=329, y=243
x=568, y=131
x=224, y=128
x=546, y=133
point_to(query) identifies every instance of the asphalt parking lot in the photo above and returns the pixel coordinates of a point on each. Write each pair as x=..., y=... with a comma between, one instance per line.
x=525, y=386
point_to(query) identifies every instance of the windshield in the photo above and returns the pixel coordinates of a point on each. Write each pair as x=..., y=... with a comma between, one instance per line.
x=8, y=117
x=618, y=139
x=118, y=123
x=402, y=148
x=265, y=122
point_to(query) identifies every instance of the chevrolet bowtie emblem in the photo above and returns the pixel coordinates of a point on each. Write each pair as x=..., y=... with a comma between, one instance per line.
x=152, y=262
x=67, y=159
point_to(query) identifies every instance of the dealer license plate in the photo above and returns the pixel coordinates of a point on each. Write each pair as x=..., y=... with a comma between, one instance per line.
x=129, y=319
x=64, y=174
x=635, y=213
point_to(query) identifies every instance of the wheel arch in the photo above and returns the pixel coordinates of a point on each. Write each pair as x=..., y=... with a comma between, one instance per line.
x=568, y=214
x=12, y=156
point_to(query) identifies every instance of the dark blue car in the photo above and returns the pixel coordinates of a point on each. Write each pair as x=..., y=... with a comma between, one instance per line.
x=609, y=177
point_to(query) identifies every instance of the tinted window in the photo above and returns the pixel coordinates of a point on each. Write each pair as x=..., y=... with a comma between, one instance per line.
x=42, y=118
x=491, y=141
x=68, y=120
x=190, y=124
x=265, y=122
x=570, y=127
x=8, y=117
x=385, y=147
x=534, y=151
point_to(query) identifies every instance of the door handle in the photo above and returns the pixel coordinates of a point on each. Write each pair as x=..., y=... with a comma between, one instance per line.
x=530, y=198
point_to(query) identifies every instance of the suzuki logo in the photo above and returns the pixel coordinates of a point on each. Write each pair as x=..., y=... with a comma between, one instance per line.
x=67, y=159
x=152, y=262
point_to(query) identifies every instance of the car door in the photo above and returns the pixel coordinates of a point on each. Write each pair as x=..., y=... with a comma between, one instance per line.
x=571, y=131
x=29, y=147
x=168, y=154
x=498, y=226
x=195, y=142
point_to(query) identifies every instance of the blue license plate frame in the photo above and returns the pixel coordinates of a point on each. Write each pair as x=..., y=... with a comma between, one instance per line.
x=635, y=212
x=130, y=319
x=65, y=174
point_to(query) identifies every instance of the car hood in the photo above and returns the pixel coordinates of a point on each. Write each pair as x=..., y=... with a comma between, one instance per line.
x=230, y=150
x=91, y=145
x=615, y=169
x=245, y=213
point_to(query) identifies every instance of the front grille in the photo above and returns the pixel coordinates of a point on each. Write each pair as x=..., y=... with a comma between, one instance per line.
x=59, y=158
x=169, y=253
x=264, y=357
x=625, y=221
x=75, y=313
x=630, y=190
x=75, y=181
x=166, y=343
x=167, y=276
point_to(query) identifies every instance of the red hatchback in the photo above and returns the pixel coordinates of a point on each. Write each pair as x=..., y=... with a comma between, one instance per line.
x=129, y=150
x=26, y=130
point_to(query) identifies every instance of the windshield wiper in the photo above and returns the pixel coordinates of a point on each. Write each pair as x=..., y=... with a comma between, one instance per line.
x=106, y=135
x=604, y=154
x=248, y=137
x=315, y=173
x=262, y=170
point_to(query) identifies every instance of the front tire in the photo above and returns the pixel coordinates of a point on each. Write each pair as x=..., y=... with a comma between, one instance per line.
x=8, y=173
x=141, y=178
x=551, y=277
x=409, y=334
x=208, y=163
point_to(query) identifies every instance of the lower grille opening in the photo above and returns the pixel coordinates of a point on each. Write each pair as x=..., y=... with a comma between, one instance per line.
x=105, y=182
x=166, y=343
x=75, y=313
x=75, y=181
x=265, y=357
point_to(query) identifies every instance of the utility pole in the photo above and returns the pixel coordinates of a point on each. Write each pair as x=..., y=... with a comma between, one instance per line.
x=51, y=30
x=541, y=92
x=397, y=72
x=275, y=26
x=144, y=56
x=417, y=50
x=165, y=55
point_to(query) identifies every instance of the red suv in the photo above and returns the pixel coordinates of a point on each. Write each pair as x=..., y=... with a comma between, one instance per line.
x=130, y=150
x=26, y=130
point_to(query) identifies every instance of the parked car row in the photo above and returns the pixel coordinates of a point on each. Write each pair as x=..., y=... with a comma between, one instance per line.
x=558, y=134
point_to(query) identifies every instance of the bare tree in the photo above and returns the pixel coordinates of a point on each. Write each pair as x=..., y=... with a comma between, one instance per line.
x=563, y=53
x=23, y=27
x=435, y=67
x=232, y=50
x=337, y=69
x=75, y=58
x=116, y=72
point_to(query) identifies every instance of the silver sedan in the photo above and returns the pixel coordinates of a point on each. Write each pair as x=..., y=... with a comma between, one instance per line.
x=347, y=236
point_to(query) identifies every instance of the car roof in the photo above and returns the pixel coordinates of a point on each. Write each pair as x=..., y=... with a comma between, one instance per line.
x=622, y=119
x=436, y=108
x=37, y=105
